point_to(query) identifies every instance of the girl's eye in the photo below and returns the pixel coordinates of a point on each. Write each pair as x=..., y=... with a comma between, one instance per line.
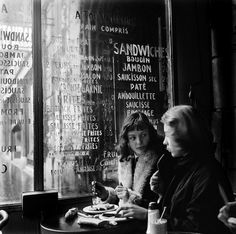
x=131, y=138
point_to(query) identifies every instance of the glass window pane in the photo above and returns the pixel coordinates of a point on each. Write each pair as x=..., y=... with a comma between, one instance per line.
x=101, y=61
x=79, y=105
x=16, y=100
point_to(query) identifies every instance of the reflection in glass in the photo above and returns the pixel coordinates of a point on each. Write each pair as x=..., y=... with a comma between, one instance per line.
x=16, y=99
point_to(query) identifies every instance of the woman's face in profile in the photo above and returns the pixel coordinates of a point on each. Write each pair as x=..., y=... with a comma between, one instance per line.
x=138, y=141
x=170, y=142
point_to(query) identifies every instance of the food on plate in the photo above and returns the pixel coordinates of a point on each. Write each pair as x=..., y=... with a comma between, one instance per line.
x=101, y=207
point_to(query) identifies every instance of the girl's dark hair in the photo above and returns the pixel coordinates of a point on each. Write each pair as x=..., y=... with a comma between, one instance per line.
x=136, y=121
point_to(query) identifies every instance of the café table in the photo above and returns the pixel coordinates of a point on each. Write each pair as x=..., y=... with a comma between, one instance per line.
x=57, y=224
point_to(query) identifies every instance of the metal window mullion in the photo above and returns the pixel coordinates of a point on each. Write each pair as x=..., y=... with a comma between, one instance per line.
x=38, y=97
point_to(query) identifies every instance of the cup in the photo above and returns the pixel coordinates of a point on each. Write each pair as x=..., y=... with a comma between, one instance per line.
x=158, y=227
x=153, y=215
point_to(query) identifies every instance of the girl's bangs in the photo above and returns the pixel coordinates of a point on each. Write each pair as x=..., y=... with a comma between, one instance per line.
x=138, y=125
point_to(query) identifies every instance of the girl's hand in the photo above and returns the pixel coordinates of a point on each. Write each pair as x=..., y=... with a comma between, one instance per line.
x=100, y=190
x=132, y=210
x=122, y=192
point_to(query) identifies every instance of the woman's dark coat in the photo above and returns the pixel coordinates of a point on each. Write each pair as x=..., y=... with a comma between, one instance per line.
x=195, y=190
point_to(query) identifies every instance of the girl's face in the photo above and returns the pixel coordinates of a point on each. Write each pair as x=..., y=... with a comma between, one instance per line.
x=170, y=142
x=138, y=141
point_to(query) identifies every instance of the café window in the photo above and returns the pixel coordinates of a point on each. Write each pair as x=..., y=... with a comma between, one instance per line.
x=16, y=100
x=100, y=60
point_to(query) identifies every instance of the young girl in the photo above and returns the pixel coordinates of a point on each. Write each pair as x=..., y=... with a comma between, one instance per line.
x=139, y=149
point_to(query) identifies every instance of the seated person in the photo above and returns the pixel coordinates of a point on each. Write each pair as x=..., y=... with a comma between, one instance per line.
x=194, y=185
x=139, y=149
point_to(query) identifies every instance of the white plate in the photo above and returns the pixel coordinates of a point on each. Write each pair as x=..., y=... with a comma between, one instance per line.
x=88, y=210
